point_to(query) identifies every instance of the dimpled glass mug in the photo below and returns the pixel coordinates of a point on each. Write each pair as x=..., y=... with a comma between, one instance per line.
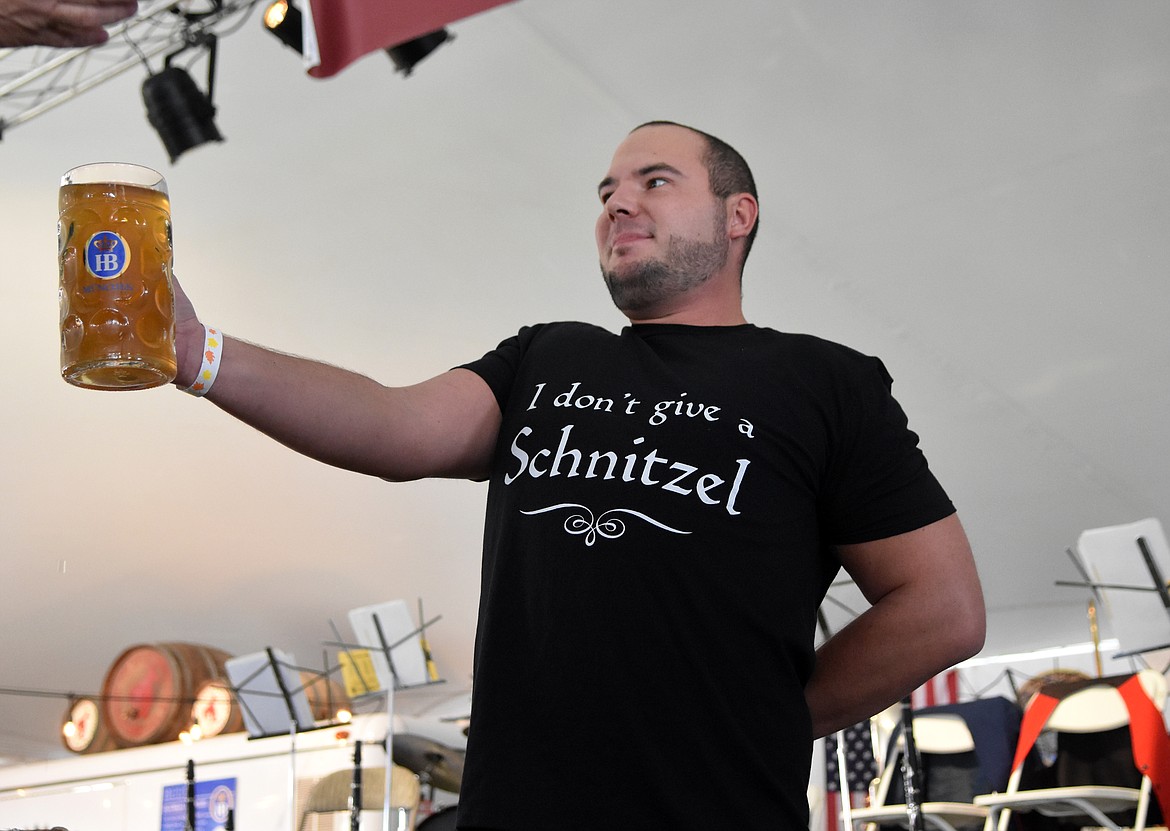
x=117, y=305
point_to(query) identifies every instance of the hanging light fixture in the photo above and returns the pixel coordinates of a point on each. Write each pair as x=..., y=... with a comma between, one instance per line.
x=180, y=113
x=286, y=22
x=406, y=55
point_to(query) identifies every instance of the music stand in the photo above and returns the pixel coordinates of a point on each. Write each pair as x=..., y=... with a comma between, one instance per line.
x=1125, y=566
x=390, y=635
x=270, y=693
x=387, y=632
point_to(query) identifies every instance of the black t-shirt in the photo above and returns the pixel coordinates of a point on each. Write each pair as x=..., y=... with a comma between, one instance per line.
x=661, y=514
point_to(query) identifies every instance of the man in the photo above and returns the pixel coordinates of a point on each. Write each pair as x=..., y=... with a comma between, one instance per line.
x=60, y=23
x=666, y=509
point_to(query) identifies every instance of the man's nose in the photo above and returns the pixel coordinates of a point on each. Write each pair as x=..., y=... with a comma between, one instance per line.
x=621, y=202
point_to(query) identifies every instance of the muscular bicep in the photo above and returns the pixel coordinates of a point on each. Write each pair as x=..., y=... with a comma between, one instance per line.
x=926, y=615
x=935, y=562
x=453, y=420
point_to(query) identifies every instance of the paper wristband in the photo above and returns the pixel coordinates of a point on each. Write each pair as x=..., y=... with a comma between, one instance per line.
x=212, y=348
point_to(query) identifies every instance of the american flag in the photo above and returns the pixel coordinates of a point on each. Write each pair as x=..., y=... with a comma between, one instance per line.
x=941, y=689
x=860, y=770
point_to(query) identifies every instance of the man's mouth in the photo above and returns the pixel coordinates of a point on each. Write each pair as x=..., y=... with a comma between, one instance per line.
x=624, y=239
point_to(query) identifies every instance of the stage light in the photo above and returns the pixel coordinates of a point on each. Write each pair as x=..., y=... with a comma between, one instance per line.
x=182, y=116
x=286, y=22
x=406, y=55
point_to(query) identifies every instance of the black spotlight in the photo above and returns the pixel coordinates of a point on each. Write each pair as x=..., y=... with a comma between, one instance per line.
x=286, y=22
x=180, y=114
x=406, y=55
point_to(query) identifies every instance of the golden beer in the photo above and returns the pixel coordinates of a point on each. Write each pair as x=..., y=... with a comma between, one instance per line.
x=117, y=305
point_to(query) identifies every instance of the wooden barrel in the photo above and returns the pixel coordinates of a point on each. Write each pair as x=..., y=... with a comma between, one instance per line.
x=149, y=690
x=216, y=709
x=84, y=728
x=325, y=695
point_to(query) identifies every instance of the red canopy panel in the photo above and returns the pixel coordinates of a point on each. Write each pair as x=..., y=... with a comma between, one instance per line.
x=348, y=29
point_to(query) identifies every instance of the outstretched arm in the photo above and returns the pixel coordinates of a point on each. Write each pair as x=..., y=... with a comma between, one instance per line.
x=60, y=23
x=445, y=426
x=926, y=615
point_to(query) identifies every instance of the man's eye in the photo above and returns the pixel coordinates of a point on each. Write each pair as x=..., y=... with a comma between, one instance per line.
x=657, y=181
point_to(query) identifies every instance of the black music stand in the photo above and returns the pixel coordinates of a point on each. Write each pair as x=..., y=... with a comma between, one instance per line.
x=270, y=693
x=387, y=632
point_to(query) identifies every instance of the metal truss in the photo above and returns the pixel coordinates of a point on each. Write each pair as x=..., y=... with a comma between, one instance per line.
x=35, y=79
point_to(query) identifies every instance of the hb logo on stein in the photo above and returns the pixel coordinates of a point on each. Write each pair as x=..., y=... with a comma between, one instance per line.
x=106, y=255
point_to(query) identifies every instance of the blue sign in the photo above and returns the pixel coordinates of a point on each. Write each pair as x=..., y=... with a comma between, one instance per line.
x=213, y=800
x=106, y=255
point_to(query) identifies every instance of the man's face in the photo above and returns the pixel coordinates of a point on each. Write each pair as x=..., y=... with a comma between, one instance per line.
x=661, y=231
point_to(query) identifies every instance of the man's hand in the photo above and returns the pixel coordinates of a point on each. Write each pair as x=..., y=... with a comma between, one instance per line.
x=60, y=23
x=188, y=336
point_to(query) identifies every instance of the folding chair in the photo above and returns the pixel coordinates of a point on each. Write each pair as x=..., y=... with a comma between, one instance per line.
x=331, y=794
x=1098, y=706
x=938, y=735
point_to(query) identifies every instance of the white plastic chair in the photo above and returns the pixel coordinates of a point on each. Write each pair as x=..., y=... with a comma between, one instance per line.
x=934, y=733
x=1094, y=709
x=331, y=794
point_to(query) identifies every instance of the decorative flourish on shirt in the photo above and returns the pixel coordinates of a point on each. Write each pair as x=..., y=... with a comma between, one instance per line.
x=606, y=525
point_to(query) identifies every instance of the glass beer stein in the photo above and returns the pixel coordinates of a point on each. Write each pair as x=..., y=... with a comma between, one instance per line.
x=117, y=305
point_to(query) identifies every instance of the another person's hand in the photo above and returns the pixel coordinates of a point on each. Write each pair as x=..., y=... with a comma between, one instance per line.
x=60, y=23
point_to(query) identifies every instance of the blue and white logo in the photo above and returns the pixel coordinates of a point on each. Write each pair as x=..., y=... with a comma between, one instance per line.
x=106, y=255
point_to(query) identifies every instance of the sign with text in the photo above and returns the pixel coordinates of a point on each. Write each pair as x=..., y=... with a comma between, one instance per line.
x=213, y=801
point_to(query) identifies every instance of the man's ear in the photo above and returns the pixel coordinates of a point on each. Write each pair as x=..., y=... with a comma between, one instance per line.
x=742, y=212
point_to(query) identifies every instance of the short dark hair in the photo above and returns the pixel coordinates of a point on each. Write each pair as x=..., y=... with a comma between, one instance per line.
x=727, y=171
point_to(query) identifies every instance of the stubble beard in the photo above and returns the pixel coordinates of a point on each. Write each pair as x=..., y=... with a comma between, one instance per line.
x=649, y=284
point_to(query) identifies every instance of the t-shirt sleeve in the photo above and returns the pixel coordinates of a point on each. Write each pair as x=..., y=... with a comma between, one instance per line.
x=879, y=483
x=498, y=367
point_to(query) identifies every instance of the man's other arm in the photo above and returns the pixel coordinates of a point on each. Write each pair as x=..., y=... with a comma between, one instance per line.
x=926, y=615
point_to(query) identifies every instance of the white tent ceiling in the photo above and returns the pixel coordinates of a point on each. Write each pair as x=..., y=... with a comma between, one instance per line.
x=979, y=193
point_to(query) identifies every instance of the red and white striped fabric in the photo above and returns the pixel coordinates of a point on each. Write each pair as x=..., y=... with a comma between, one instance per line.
x=941, y=689
x=833, y=808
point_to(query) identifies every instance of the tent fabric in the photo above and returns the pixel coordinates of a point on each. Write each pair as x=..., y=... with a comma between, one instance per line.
x=348, y=29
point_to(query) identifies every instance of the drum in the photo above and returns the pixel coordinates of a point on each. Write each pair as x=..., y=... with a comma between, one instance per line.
x=443, y=820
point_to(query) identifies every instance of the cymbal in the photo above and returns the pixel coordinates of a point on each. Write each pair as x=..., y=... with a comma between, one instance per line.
x=435, y=763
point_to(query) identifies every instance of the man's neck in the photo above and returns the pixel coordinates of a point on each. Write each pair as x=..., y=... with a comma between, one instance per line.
x=715, y=303
x=694, y=317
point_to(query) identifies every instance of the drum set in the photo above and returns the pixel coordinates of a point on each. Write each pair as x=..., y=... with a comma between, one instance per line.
x=437, y=767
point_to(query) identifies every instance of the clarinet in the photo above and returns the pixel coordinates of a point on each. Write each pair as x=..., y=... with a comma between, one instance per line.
x=911, y=770
x=355, y=790
x=190, y=823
